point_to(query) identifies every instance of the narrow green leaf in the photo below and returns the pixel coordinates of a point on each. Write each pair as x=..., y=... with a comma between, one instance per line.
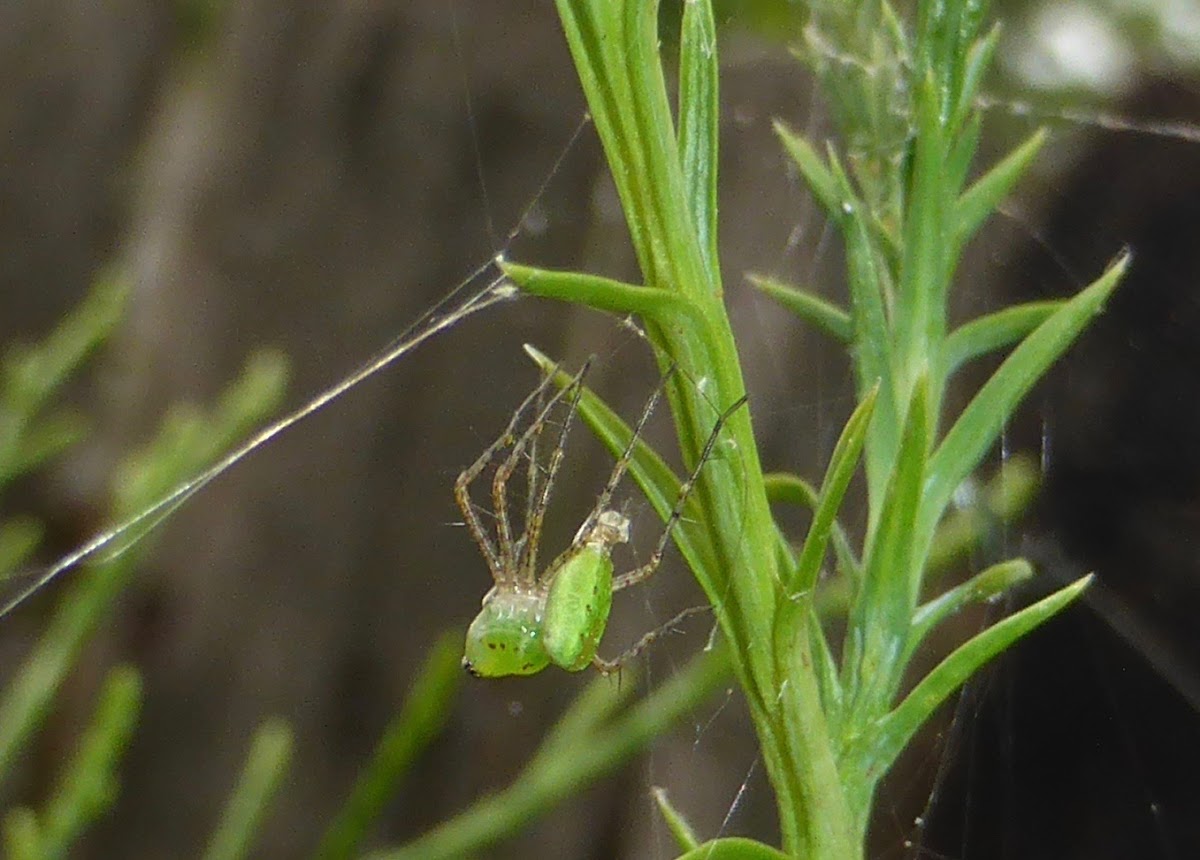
x=653, y=303
x=825, y=315
x=995, y=331
x=980, y=423
x=792, y=489
x=425, y=710
x=962, y=153
x=979, y=201
x=685, y=836
x=819, y=178
x=784, y=487
x=979, y=60
x=873, y=335
x=44, y=439
x=266, y=764
x=898, y=727
x=880, y=618
x=984, y=586
x=920, y=307
x=842, y=465
x=734, y=848
x=699, y=114
x=32, y=375
x=89, y=784
x=825, y=668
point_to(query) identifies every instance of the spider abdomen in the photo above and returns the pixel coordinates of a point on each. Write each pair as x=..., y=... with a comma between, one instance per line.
x=506, y=636
x=577, y=607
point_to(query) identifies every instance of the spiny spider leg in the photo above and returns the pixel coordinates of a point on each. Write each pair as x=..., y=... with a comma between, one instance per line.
x=646, y=570
x=533, y=523
x=531, y=481
x=462, y=485
x=609, y=667
x=510, y=550
x=622, y=464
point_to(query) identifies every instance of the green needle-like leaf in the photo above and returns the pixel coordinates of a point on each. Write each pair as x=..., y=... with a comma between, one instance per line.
x=89, y=784
x=425, y=710
x=980, y=423
x=601, y=293
x=699, y=116
x=826, y=316
x=45, y=438
x=962, y=152
x=987, y=585
x=842, y=466
x=820, y=179
x=32, y=375
x=873, y=336
x=896, y=730
x=784, y=488
x=920, y=307
x=685, y=836
x=979, y=201
x=995, y=331
x=879, y=620
x=266, y=764
x=979, y=59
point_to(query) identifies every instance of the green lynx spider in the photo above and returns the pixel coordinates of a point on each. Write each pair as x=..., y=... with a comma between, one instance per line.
x=529, y=621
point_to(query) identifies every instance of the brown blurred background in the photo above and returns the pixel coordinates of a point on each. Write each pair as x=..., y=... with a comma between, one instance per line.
x=308, y=176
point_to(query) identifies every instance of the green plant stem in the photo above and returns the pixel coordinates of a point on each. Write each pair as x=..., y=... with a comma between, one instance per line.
x=615, y=47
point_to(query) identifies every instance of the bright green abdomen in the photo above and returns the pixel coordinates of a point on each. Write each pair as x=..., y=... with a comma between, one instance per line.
x=506, y=637
x=577, y=608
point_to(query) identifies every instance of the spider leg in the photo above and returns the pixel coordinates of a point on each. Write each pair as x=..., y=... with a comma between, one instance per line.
x=644, y=572
x=510, y=550
x=622, y=464
x=531, y=483
x=608, y=667
x=539, y=502
x=462, y=485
